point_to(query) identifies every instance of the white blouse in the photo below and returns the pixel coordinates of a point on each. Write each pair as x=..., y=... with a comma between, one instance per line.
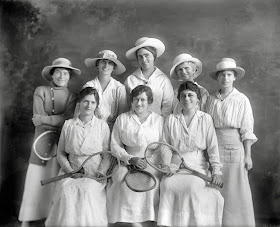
x=234, y=111
x=113, y=100
x=192, y=141
x=161, y=86
x=128, y=132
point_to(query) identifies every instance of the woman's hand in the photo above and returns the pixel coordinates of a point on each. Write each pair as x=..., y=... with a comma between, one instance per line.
x=248, y=162
x=138, y=162
x=217, y=180
x=37, y=120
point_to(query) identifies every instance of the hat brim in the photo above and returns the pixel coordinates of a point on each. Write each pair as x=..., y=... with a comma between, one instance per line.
x=240, y=72
x=46, y=71
x=156, y=43
x=119, y=69
x=198, y=71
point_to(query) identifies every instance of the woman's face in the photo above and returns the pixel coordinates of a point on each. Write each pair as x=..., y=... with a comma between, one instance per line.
x=140, y=103
x=61, y=77
x=145, y=59
x=88, y=105
x=105, y=67
x=226, y=78
x=185, y=71
x=188, y=99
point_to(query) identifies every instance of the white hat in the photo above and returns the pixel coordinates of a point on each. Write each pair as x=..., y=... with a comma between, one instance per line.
x=227, y=64
x=109, y=55
x=185, y=58
x=59, y=63
x=145, y=42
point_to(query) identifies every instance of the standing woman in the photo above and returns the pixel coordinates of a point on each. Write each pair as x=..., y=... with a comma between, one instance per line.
x=234, y=122
x=146, y=51
x=187, y=68
x=81, y=201
x=52, y=105
x=111, y=92
x=132, y=132
x=185, y=199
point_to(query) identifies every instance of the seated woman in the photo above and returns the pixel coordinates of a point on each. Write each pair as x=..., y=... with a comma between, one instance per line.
x=131, y=134
x=185, y=199
x=81, y=201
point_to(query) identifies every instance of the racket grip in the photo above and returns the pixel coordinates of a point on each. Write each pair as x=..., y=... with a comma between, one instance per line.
x=53, y=179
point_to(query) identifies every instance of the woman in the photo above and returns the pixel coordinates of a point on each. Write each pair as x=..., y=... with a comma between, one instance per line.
x=81, y=201
x=132, y=132
x=185, y=199
x=146, y=51
x=111, y=92
x=233, y=120
x=52, y=105
x=187, y=68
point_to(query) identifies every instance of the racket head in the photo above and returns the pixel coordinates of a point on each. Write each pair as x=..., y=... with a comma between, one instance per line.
x=139, y=180
x=163, y=157
x=43, y=145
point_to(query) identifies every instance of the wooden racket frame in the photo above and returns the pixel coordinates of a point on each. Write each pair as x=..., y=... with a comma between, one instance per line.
x=35, y=142
x=79, y=172
x=192, y=171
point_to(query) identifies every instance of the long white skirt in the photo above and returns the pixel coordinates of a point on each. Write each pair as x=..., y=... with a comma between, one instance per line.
x=125, y=205
x=36, y=198
x=78, y=202
x=186, y=200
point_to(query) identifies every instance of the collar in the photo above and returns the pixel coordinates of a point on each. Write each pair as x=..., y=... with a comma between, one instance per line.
x=55, y=87
x=91, y=123
x=234, y=92
x=138, y=73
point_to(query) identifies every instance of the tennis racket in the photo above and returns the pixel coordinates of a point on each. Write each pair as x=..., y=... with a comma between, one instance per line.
x=43, y=145
x=139, y=180
x=108, y=165
x=167, y=159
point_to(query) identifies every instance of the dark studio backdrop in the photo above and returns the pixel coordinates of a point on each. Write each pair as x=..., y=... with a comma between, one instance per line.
x=35, y=32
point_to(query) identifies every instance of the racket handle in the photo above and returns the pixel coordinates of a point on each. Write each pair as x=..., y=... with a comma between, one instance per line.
x=205, y=177
x=53, y=179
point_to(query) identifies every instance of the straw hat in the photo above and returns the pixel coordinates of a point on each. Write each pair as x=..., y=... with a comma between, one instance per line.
x=59, y=63
x=109, y=55
x=185, y=58
x=227, y=64
x=145, y=42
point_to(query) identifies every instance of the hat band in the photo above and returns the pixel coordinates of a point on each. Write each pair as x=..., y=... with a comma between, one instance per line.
x=106, y=55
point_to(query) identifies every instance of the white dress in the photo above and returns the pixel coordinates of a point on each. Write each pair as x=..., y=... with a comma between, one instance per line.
x=81, y=202
x=129, y=139
x=161, y=86
x=176, y=108
x=234, y=122
x=112, y=101
x=187, y=200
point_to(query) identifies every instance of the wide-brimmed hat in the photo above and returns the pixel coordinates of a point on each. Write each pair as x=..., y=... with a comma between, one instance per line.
x=109, y=55
x=145, y=42
x=185, y=58
x=59, y=63
x=227, y=64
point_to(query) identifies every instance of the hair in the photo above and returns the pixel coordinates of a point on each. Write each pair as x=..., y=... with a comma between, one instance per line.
x=150, y=49
x=234, y=72
x=88, y=91
x=188, y=85
x=141, y=89
x=54, y=68
x=97, y=62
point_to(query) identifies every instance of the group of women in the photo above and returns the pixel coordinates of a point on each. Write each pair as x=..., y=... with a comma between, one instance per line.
x=125, y=119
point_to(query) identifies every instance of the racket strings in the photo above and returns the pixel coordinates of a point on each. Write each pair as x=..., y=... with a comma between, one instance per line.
x=139, y=181
x=44, y=146
x=163, y=157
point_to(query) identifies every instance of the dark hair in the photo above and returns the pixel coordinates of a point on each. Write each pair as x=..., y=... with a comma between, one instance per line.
x=188, y=85
x=88, y=91
x=97, y=62
x=234, y=72
x=141, y=89
x=150, y=49
x=54, y=68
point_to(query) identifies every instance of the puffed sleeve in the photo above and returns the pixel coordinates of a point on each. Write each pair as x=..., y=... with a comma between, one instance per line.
x=166, y=131
x=122, y=100
x=247, y=123
x=116, y=144
x=212, y=147
x=167, y=99
x=106, y=137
